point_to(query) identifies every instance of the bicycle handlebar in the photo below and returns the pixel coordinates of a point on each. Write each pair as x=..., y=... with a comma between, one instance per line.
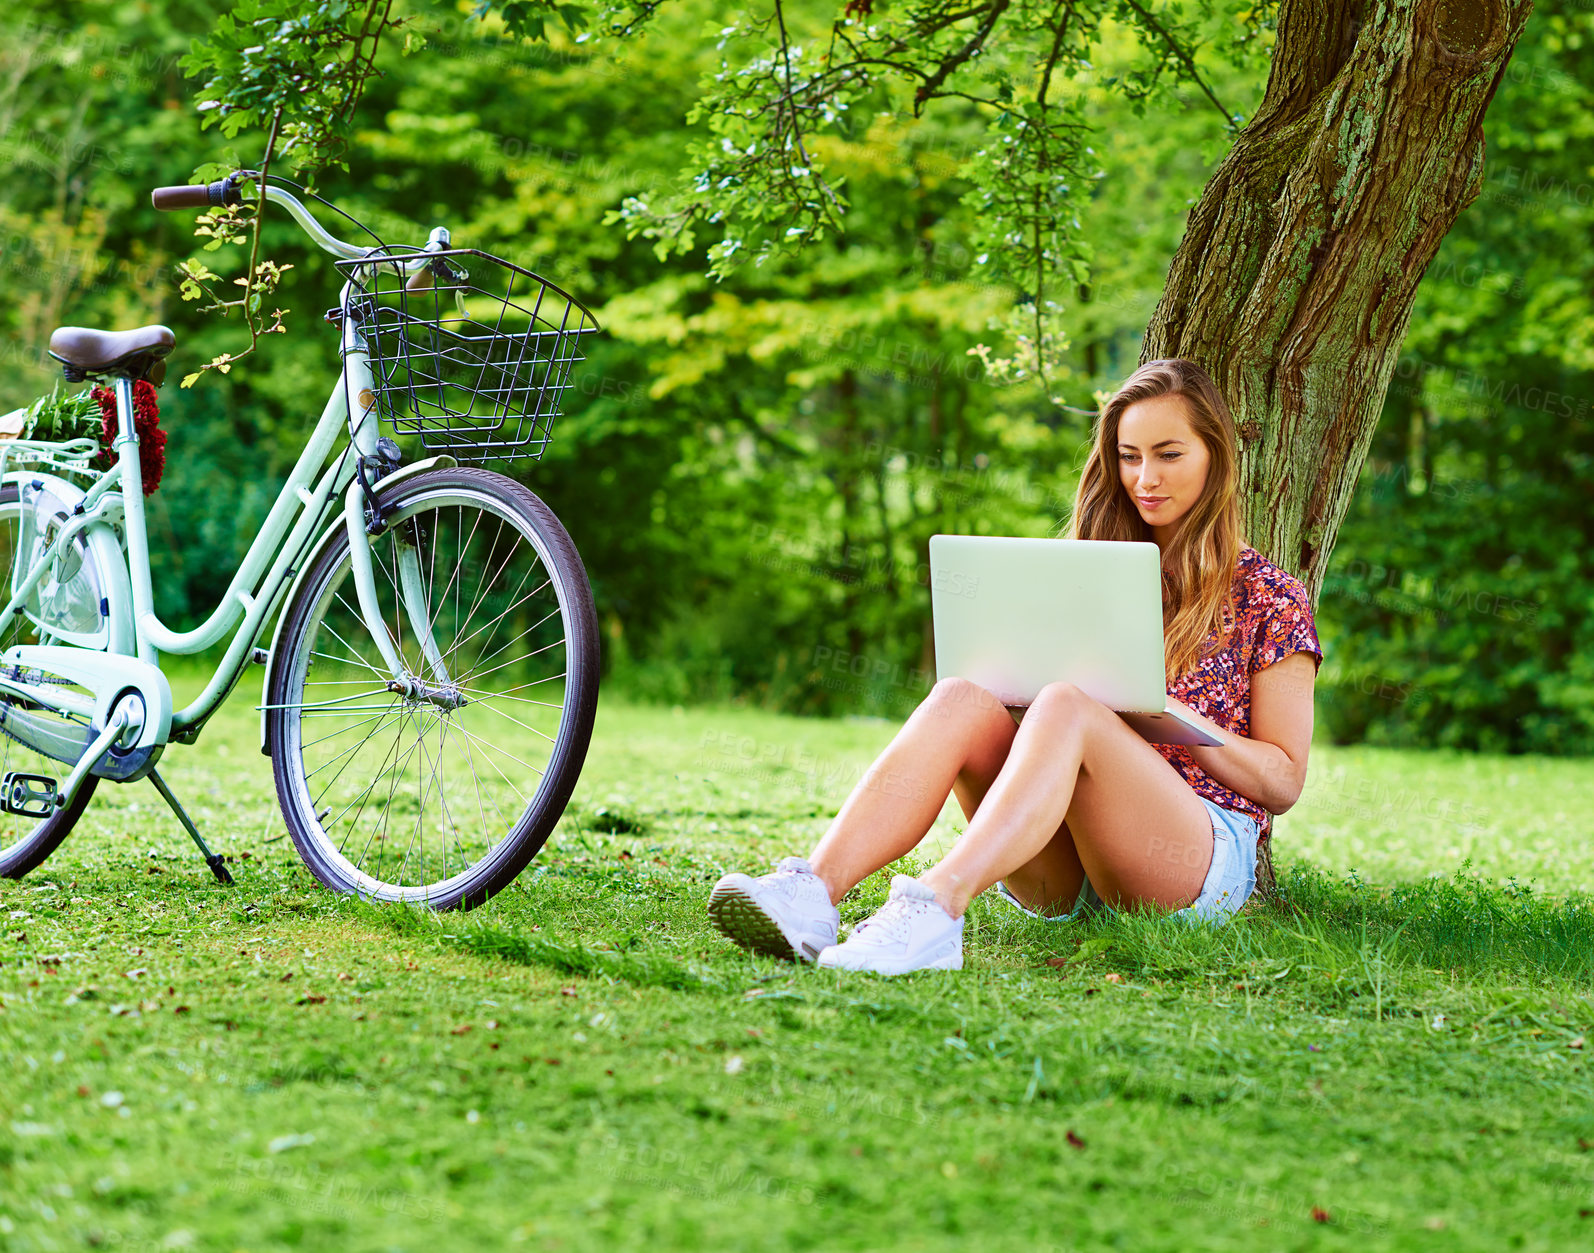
x=227, y=192
x=202, y=196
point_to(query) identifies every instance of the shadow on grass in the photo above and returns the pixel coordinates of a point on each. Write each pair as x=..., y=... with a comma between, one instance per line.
x=499, y=943
x=1335, y=942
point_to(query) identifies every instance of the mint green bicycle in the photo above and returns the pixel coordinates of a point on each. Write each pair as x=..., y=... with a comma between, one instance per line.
x=431, y=680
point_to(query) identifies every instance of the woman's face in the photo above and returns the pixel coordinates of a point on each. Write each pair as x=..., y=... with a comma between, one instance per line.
x=1162, y=462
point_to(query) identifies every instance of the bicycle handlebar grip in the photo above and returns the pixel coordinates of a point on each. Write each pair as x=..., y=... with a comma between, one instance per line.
x=223, y=192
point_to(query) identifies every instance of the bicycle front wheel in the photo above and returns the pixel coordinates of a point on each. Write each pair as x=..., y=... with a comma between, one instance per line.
x=440, y=792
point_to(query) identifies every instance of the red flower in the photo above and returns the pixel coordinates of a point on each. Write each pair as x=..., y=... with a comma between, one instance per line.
x=146, y=425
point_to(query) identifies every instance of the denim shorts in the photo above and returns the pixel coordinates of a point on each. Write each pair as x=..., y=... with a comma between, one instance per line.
x=1231, y=878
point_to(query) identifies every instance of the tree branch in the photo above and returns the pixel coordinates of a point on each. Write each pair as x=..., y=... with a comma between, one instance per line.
x=1182, y=56
x=946, y=68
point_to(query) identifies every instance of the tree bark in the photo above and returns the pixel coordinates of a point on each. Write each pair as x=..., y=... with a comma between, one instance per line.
x=1298, y=270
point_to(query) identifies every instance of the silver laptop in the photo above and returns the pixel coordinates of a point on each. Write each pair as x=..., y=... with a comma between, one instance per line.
x=1016, y=614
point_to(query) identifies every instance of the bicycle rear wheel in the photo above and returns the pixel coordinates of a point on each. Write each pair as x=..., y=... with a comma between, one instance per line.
x=441, y=793
x=25, y=841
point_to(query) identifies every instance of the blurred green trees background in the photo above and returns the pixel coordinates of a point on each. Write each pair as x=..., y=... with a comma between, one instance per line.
x=752, y=468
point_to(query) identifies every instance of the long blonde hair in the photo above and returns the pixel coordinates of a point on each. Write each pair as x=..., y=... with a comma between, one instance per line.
x=1198, y=565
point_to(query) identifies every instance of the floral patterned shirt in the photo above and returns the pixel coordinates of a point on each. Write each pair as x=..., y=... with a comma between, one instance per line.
x=1273, y=620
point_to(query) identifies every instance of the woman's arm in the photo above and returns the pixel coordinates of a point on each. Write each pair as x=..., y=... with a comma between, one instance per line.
x=1269, y=766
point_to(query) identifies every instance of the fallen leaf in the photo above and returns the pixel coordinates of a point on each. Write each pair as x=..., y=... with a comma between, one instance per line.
x=1075, y=1140
x=179, y=1009
x=1114, y=978
x=1057, y=961
x=311, y=1000
x=1320, y=1215
x=137, y=973
x=567, y=991
x=462, y=1029
x=1575, y=1044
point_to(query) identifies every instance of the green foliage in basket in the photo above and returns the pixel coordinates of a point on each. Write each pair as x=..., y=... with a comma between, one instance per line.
x=63, y=416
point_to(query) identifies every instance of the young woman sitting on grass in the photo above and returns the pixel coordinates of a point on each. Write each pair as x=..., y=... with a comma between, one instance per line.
x=1071, y=808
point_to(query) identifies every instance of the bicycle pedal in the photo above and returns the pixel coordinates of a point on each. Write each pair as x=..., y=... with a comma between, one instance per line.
x=32, y=795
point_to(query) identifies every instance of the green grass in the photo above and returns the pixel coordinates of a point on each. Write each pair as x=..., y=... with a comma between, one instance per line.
x=585, y=1064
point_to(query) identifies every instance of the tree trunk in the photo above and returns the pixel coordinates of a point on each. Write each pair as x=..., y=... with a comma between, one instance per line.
x=1298, y=270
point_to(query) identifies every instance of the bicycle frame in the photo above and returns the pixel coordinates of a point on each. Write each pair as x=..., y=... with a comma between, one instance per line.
x=302, y=509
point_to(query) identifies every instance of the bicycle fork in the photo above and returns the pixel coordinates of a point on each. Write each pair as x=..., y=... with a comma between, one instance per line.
x=436, y=688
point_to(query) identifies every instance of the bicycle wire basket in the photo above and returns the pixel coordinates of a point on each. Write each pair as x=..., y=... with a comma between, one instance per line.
x=473, y=354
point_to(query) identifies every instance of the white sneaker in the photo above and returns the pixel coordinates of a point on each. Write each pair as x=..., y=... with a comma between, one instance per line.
x=909, y=932
x=787, y=914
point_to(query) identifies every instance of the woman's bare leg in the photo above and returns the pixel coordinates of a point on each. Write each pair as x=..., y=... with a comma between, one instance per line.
x=958, y=737
x=1133, y=823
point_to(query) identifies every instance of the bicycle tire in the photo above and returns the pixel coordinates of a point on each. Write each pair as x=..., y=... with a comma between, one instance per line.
x=28, y=850
x=418, y=512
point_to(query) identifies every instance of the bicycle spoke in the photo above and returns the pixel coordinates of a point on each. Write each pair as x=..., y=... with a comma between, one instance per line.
x=346, y=753
x=334, y=734
x=485, y=746
x=470, y=758
x=327, y=704
x=488, y=745
x=483, y=696
x=500, y=618
x=387, y=809
x=523, y=657
x=516, y=721
x=397, y=736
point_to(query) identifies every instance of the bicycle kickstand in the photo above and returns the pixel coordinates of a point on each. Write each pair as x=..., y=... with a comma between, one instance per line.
x=217, y=865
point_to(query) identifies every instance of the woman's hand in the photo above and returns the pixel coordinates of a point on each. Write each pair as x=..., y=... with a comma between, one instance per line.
x=1269, y=766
